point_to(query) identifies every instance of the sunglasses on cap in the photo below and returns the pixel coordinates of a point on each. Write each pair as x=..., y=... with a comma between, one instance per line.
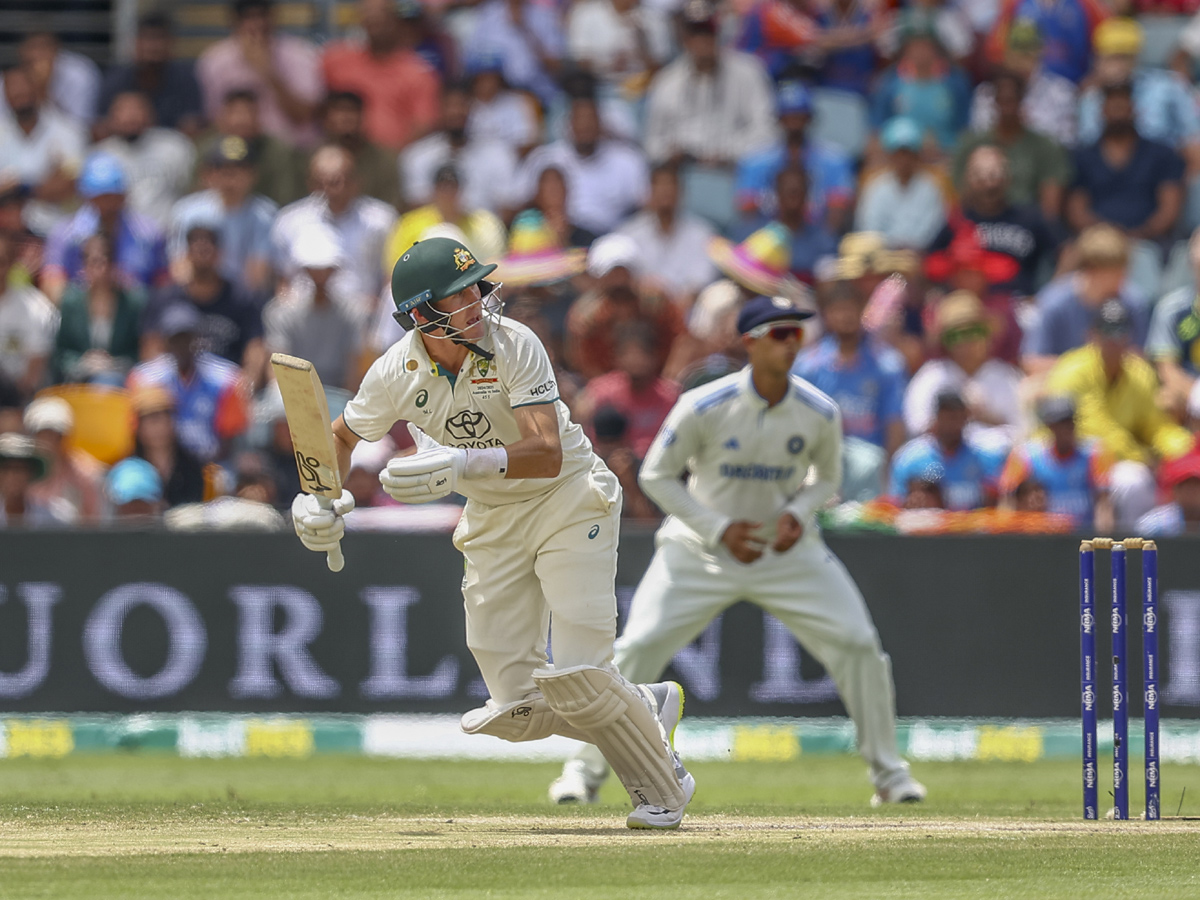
x=779, y=331
x=966, y=333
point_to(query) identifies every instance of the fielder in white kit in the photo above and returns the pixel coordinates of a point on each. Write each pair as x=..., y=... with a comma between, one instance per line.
x=743, y=528
x=540, y=527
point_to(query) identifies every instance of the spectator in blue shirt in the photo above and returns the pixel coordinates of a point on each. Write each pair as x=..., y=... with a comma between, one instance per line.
x=849, y=30
x=1123, y=178
x=865, y=377
x=1065, y=27
x=810, y=241
x=139, y=248
x=1066, y=307
x=831, y=179
x=965, y=471
x=923, y=85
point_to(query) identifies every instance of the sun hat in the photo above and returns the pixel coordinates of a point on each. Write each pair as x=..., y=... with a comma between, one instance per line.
x=534, y=255
x=760, y=263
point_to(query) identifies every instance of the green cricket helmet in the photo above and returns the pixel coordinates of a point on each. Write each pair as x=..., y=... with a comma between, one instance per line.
x=432, y=270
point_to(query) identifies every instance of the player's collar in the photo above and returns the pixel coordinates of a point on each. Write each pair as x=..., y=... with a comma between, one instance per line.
x=746, y=383
x=417, y=354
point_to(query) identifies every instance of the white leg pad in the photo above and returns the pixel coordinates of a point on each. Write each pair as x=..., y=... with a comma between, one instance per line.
x=617, y=718
x=530, y=719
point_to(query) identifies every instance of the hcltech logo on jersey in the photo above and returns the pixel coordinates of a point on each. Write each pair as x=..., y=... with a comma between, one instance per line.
x=470, y=428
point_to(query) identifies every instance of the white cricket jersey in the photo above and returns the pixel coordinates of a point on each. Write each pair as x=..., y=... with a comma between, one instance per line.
x=745, y=459
x=473, y=409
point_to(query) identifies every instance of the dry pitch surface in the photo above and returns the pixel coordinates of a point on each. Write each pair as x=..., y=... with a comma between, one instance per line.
x=354, y=828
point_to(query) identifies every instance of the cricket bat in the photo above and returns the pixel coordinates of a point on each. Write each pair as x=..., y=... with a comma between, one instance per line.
x=312, y=435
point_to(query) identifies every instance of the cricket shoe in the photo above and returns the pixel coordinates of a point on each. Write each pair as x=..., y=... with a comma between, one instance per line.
x=659, y=818
x=573, y=785
x=668, y=699
x=905, y=789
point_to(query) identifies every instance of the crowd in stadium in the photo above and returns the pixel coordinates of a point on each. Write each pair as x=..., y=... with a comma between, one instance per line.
x=992, y=206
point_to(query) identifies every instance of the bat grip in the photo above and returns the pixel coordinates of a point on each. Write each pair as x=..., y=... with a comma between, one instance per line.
x=334, y=557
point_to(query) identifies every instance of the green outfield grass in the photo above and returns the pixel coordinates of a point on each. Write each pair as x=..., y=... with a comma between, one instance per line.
x=347, y=827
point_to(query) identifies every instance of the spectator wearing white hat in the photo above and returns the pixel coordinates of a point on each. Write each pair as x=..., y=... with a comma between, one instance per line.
x=615, y=299
x=71, y=488
x=309, y=319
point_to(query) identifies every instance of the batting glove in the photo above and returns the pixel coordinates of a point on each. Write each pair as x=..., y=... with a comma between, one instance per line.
x=320, y=529
x=429, y=474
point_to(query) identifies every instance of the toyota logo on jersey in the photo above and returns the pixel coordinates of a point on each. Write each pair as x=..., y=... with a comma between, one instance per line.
x=468, y=426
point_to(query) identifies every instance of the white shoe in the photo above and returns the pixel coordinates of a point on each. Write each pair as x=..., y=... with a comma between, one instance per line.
x=659, y=818
x=668, y=697
x=904, y=790
x=572, y=785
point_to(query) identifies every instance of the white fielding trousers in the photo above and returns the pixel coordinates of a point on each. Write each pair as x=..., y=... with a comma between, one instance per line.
x=552, y=554
x=807, y=589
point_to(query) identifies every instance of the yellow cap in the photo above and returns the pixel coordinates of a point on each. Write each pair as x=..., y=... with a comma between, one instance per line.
x=1118, y=36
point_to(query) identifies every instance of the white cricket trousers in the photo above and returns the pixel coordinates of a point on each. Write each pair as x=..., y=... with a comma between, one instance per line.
x=555, y=554
x=807, y=589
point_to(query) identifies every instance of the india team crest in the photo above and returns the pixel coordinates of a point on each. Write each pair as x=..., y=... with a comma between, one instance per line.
x=463, y=259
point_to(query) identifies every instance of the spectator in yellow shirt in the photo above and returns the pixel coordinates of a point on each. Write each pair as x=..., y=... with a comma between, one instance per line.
x=484, y=233
x=1115, y=391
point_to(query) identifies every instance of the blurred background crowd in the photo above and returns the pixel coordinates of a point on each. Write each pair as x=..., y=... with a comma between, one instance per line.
x=992, y=204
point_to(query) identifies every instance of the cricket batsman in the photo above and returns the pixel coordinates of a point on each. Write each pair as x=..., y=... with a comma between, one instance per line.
x=540, y=527
x=742, y=528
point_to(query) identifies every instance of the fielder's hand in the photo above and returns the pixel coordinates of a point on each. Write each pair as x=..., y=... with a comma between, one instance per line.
x=429, y=474
x=788, y=530
x=743, y=543
x=320, y=529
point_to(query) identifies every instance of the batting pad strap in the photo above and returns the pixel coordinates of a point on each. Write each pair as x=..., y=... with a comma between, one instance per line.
x=617, y=719
x=530, y=719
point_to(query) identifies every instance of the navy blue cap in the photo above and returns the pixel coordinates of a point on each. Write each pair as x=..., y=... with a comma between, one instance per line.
x=793, y=97
x=760, y=310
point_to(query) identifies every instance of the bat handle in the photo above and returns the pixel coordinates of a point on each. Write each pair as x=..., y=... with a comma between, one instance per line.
x=333, y=557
